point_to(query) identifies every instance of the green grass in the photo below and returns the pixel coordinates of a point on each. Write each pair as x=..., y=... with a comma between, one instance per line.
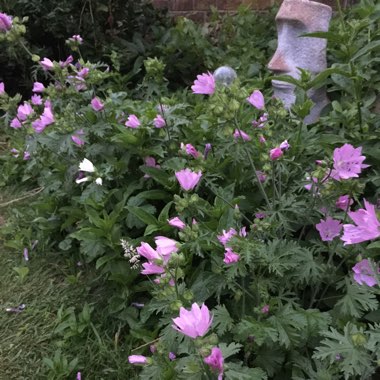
x=26, y=338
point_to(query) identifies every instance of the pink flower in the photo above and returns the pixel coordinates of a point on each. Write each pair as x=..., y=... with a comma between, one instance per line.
x=38, y=87
x=151, y=268
x=77, y=140
x=15, y=123
x=188, y=179
x=132, y=122
x=2, y=88
x=242, y=135
x=45, y=119
x=69, y=59
x=47, y=64
x=15, y=152
x=284, y=145
x=26, y=156
x=257, y=99
x=343, y=202
x=329, y=228
x=23, y=111
x=76, y=38
x=137, y=359
x=165, y=246
x=226, y=236
x=204, y=84
x=5, y=22
x=148, y=252
x=262, y=176
x=159, y=121
x=347, y=162
x=230, y=256
x=172, y=356
x=177, y=222
x=260, y=215
x=83, y=73
x=265, y=309
x=243, y=232
x=367, y=225
x=26, y=254
x=36, y=100
x=79, y=376
x=207, y=150
x=262, y=140
x=309, y=186
x=275, y=154
x=190, y=150
x=96, y=104
x=216, y=361
x=193, y=323
x=363, y=273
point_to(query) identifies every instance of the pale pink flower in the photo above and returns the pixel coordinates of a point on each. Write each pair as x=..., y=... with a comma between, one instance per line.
x=15, y=123
x=243, y=232
x=47, y=64
x=193, y=323
x=284, y=145
x=226, y=236
x=132, y=122
x=329, y=228
x=216, y=361
x=265, y=309
x=76, y=38
x=241, y=134
x=363, y=273
x=45, y=119
x=97, y=104
x=159, y=121
x=257, y=99
x=344, y=202
x=204, y=84
x=83, y=73
x=261, y=175
x=177, y=222
x=2, y=88
x=26, y=254
x=23, y=111
x=230, y=257
x=15, y=152
x=309, y=186
x=137, y=359
x=79, y=376
x=151, y=268
x=275, y=153
x=77, y=140
x=188, y=179
x=36, y=100
x=367, y=225
x=148, y=252
x=5, y=22
x=190, y=150
x=38, y=87
x=26, y=156
x=67, y=62
x=348, y=162
x=165, y=246
x=262, y=140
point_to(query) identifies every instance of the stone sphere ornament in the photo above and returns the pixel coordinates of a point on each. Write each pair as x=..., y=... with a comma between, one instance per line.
x=295, y=18
x=225, y=75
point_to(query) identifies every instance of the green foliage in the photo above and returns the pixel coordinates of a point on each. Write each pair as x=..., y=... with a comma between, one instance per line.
x=282, y=299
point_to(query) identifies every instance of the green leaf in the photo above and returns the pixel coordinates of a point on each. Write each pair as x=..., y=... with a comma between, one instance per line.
x=158, y=175
x=231, y=349
x=222, y=321
x=143, y=215
x=366, y=49
x=235, y=371
x=329, y=36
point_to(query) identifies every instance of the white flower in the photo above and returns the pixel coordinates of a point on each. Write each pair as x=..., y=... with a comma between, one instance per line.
x=85, y=179
x=86, y=166
x=99, y=181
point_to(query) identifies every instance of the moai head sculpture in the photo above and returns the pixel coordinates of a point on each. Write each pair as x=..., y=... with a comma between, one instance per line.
x=294, y=18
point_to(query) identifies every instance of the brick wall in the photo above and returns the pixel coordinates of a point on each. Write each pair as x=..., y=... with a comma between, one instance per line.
x=199, y=9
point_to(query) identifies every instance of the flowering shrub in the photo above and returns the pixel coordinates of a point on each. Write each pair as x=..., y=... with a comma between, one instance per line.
x=234, y=236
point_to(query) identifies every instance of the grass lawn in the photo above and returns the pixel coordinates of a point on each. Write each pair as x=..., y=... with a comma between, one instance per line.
x=29, y=336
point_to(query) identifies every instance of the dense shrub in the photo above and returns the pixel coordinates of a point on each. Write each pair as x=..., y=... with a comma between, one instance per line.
x=258, y=237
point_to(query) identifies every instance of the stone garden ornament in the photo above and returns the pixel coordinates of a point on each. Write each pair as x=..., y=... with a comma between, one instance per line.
x=294, y=18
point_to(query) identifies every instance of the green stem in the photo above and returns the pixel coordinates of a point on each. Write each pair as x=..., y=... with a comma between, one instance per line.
x=245, y=291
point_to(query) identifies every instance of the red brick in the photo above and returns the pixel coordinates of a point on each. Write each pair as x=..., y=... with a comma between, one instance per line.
x=204, y=5
x=181, y=5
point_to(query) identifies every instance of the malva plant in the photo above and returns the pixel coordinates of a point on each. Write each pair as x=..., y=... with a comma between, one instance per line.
x=239, y=243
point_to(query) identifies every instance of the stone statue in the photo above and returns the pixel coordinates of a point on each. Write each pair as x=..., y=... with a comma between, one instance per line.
x=294, y=18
